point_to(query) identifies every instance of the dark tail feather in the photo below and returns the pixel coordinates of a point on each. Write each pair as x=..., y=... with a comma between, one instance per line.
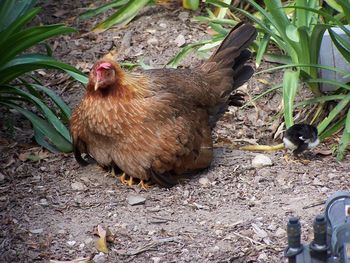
x=77, y=145
x=232, y=51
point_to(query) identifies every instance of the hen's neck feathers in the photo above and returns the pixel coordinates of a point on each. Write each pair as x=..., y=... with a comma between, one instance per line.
x=126, y=87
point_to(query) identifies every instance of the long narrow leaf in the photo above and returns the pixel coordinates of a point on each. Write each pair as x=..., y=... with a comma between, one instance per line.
x=51, y=117
x=29, y=62
x=345, y=139
x=29, y=37
x=290, y=87
x=10, y=10
x=103, y=8
x=123, y=16
x=331, y=116
x=44, y=127
x=18, y=24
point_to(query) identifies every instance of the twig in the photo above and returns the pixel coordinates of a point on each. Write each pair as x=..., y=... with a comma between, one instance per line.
x=160, y=220
x=150, y=246
x=251, y=240
x=314, y=204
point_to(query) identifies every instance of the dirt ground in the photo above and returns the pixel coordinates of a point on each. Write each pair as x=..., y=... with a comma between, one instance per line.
x=50, y=207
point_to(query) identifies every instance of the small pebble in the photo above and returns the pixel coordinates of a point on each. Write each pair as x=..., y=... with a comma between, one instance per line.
x=43, y=202
x=62, y=232
x=36, y=231
x=180, y=40
x=99, y=258
x=261, y=160
x=78, y=186
x=162, y=25
x=71, y=243
x=204, y=181
x=156, y=259
x=280, y=232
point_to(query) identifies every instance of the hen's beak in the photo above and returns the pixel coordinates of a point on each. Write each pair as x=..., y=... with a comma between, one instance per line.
x=96, y=85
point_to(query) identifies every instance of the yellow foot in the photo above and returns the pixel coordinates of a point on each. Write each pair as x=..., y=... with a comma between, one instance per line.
x=122, y=179
x=143, y=185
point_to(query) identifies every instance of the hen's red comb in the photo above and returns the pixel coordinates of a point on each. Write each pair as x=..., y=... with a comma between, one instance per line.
x=104, y=65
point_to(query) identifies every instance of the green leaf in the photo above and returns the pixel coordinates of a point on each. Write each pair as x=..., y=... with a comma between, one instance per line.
x=44, y=127
x=51, y=117
x=10, y=10
x=262, y=49
x=290, y=87
x=333, y=129
x=292, y=33
x=190, y=4
x=342, y=44
x=103, y=8
x=29, y=62
x=345, y=139
x=27, y=38
x=175, y=61
x=123, y=16
x=56, y=99
x=18, y=24
x=333, y=114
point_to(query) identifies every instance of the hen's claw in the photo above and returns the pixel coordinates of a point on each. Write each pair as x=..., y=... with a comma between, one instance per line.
x=143, y=185
x=122, y=179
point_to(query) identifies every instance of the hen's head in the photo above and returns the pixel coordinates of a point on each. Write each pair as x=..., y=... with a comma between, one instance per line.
x=103, y=75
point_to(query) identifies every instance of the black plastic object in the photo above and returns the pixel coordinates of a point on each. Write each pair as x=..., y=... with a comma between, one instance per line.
x=331, y=243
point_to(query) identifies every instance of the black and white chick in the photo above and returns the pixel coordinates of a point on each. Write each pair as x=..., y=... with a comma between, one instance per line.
x=301, y=137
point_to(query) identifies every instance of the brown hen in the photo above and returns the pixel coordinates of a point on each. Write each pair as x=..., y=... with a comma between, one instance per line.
x=157, y=124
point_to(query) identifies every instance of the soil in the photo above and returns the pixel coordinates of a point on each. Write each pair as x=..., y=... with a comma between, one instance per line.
x=50, y=208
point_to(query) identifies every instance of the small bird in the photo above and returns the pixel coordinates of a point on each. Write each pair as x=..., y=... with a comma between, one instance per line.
x=156, y=124
x=301, y=137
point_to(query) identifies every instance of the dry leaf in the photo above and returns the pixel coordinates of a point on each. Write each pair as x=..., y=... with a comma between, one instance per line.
x=264, y=81
x=78, y=260
x=101, y=243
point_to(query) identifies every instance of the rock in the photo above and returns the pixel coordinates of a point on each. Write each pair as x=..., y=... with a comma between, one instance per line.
x=280, y=232
x=204, y=181
x=152, y=41
x=71, y=243
x=261, y=160
x=81, y=246
x=42, y=168
x=99, y=258
x=36, y=231
x=43, y=202
x=183, y=16
x=180, y=40
x=136, y=200
x=78, y=186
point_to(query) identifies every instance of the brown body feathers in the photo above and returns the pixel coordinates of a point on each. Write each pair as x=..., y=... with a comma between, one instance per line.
x=157, y=124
